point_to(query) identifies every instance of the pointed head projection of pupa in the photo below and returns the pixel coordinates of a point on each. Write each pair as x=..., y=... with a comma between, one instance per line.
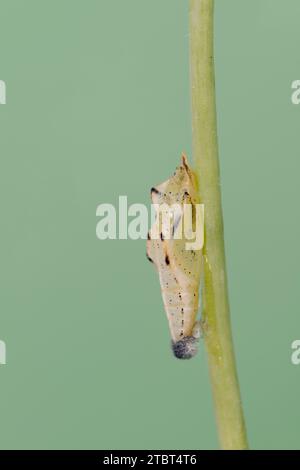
x=185, y=348
x=175, y=189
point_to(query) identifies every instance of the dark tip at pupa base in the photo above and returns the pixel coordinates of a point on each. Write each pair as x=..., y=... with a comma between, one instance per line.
x=185, y=348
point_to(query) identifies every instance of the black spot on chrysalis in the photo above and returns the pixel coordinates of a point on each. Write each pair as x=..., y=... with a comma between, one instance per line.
x=155, y=191
x=148, y=257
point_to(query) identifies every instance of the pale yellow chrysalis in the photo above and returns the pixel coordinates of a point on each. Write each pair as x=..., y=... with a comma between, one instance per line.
x=179, y=268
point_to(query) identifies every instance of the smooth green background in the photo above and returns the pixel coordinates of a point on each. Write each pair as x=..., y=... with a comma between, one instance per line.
x=98, y=106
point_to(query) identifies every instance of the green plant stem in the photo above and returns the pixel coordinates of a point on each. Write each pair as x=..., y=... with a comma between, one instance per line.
x=216, y=316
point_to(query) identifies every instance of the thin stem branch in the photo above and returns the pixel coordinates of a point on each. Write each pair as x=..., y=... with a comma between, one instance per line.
x=216, y=316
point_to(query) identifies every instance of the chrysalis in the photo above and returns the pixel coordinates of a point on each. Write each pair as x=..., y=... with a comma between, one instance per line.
x=179, y=267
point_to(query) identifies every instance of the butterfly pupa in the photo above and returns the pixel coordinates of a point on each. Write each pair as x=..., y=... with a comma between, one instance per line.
x=179, y=268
